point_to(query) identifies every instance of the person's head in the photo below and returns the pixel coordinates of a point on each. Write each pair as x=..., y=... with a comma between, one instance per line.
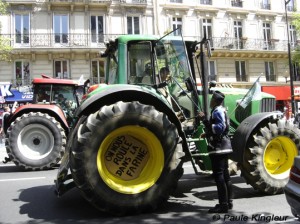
x=6, y=109
x=216, y=99
x=61, y=97
x=164, y=72
x=148, y=68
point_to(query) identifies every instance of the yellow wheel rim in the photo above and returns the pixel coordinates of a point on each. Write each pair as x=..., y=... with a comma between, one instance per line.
x=279, y=156
x=130, y=159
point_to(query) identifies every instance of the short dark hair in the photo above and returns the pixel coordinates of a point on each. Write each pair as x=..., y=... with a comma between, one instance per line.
x=218, y=96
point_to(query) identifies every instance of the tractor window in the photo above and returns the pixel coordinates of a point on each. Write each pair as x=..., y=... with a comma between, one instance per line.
x=42, y=94
x=113, y=67
x=65, y=96
x=140, y=68
x=171, y=60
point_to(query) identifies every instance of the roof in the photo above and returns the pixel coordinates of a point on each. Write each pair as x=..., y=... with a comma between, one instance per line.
x=54, y=81
x=125, y=38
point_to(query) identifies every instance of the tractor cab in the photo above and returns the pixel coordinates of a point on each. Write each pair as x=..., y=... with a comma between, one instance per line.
x=64, y=93
x=160, y=64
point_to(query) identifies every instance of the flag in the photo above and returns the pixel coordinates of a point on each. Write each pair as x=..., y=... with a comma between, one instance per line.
x=254, y=93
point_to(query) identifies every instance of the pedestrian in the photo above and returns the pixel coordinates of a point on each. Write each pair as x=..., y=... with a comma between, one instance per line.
x=5, y=117
x=219, y=147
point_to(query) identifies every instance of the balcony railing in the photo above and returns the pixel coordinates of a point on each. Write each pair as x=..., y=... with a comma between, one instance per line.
x=249, y=44
x=134, y=1
x=237, y=4
x=206, y=2
x=176, y=1
x=75, y=40
x=81, y=1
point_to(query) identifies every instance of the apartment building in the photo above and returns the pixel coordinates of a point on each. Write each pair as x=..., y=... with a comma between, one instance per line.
x=63, y=38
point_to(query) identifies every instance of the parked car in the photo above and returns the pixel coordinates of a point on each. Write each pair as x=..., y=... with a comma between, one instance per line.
x=292, y=188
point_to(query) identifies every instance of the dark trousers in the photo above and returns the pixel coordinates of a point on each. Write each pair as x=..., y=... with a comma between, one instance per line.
x=222, y=177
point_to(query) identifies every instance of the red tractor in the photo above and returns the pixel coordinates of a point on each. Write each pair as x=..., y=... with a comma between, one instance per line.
x=36, y=133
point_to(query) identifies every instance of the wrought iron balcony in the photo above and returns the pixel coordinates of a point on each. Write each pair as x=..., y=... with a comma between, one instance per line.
x=76, y=40
x=62, y=40
x=176, y=1
x=206, y=2
x=237, y=4
x=250, y=44
x=81, y=1
x=134, y=1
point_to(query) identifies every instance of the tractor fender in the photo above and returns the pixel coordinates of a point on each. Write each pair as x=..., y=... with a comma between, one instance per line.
x=128, y=93
x=244, y=130
x=51, y=109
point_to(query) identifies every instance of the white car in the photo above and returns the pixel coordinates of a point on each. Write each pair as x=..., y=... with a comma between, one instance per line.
x=292, y=188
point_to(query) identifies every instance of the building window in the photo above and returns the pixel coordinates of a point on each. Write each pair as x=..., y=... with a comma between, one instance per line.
x=97, y=29
x=240, y=70
x=211, y=69
x=207, y=28
x=22, y=73
x=177, y=24
x=133, y=25
x=61, y=70
x=290, y=6
x=293, y=35
x=265, y=4
x=269, y=71
x=206, y=2
x=238, y=34
x=22, y=28
x=237, y=3
x=98, y=72
x=267, y=36
x=61, y=29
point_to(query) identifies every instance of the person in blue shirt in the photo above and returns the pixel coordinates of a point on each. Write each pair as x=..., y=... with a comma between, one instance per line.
x=219, y=146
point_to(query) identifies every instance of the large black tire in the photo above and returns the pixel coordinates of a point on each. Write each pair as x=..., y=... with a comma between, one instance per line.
x=35, y=141
x=269, y=156
x=125, y=158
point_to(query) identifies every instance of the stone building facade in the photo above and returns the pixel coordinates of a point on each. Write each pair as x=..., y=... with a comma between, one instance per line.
x=64, y=38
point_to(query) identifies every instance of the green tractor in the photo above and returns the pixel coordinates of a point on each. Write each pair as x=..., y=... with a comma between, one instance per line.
x=133, y=134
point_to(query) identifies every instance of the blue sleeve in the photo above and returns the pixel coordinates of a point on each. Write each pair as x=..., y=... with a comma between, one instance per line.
x=219, y=125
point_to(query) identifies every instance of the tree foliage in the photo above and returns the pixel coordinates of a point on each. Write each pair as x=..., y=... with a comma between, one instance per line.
x=5, y=48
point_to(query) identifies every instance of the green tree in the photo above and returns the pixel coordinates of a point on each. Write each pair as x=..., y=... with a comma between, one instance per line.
x=5, y=48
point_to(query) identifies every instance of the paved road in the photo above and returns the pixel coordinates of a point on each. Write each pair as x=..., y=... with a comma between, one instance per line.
x=27, y=197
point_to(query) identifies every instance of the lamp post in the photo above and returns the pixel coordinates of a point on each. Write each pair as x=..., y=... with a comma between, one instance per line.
x=290, y=60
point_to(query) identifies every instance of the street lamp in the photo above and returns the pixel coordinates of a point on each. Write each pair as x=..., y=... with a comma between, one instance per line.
x=290, y=60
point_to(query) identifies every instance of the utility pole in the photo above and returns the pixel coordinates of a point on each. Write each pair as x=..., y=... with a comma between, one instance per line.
x=290, y=59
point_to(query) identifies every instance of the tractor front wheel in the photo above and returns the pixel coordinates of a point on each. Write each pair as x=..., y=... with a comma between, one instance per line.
x=269, y=156
x=124, y=159
x=35, y=141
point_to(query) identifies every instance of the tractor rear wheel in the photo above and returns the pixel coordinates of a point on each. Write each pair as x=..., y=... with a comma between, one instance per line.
x=35, y=141
x=125, y=160
x=269, y=156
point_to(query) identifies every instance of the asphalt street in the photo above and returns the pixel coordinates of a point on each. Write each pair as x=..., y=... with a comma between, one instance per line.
x=28, y=197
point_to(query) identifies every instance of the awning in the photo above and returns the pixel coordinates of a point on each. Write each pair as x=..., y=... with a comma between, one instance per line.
x=280, y=92
x=19, y=96
x=8, y=95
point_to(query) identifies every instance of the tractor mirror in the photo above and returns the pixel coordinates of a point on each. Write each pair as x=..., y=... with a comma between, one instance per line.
x=212, y=84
